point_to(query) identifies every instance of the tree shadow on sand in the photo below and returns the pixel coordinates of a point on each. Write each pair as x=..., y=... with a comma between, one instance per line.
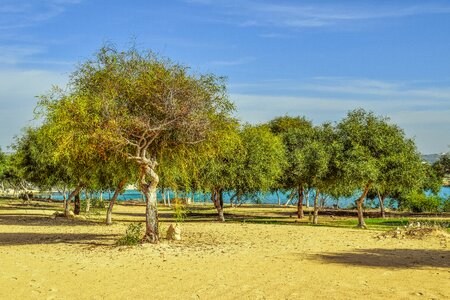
x=30, y=238
x=42, y=220
x=390, y=258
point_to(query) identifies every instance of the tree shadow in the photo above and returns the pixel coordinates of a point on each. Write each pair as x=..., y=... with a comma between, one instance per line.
x=42, y=220
x=20, y=207
x=28, y=238
x=390, y=258
x=142, y=215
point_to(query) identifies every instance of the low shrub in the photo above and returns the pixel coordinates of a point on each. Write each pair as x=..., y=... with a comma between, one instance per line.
x=419, y=202
x=133, y=235
x=180, y=211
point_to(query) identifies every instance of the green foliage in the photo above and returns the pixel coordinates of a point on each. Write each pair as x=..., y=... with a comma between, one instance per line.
x=261, y=162
x=442, y=165
x=133, y=235
x=420, y=202
x=376, y=154
x=431, y=180
x=297, y=134
x=3, y=160
x=35, y=162
x=446, y=205
x=180, y=211
x=311, y=153
x=246, y=160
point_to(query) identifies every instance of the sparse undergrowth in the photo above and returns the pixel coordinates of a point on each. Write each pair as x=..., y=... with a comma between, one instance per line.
x=133, y=235
x=418, y=230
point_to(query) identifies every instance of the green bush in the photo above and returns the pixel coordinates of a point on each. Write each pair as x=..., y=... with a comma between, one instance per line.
x=446, y=205
x=133, y=235
x=419, y=202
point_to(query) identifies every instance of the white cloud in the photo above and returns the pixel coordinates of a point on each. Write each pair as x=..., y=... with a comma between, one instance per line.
x=422, y=112
x=278, y=14
x=11, y=55
x=410, y=91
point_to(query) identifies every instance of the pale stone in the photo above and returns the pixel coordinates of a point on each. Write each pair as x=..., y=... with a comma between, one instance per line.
x=173, y=232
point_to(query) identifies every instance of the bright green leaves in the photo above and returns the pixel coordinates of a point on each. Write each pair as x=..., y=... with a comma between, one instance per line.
x=246, y=160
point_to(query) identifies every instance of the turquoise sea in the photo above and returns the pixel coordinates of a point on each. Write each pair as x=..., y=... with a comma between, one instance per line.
x=262, y=198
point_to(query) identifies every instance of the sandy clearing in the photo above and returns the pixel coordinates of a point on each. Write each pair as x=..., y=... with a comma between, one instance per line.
x=59, y=259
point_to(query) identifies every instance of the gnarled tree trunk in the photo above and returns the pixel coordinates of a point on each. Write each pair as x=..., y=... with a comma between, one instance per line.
x=73, y=194
x=316, y=207
x=359, y=204
x=300, y=214
x=112, y=201
x=148, y=189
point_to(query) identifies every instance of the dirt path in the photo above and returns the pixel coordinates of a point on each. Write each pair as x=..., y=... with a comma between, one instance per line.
x=58, y=259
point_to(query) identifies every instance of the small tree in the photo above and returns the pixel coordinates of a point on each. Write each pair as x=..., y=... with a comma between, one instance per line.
x=297, y=135
x=261, y=162
x=220, y=171
x=370, y=148
x=320, y=154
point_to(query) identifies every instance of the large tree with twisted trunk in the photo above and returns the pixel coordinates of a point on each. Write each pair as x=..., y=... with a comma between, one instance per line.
x=146, y=107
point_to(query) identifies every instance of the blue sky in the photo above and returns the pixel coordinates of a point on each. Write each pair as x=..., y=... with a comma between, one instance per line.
x=313, y=58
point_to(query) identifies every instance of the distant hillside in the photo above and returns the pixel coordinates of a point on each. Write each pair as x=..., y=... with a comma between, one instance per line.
x=431, y=158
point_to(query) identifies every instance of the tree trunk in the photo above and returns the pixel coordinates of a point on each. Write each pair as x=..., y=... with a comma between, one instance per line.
x=316, y=207
x=238, y=200
x=64, y=200
x=73, y=194
x=322, y=201
x=221, y=216
x=217, y=198
x=291, y=196
x=359, y=204
x=112, y=201
x=232, y=199
x=307, y=198
x=25, y=192
x=149, y=191
x=381, y=199
x=88, y=200
x=77, y=204
x=278, y=198
x=163, y=193
x=300, y=214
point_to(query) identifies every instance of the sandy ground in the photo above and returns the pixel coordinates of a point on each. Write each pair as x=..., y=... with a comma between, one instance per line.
x=43, y=258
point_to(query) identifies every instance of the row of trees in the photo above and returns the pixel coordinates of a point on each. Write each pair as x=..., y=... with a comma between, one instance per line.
x=133, y=117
